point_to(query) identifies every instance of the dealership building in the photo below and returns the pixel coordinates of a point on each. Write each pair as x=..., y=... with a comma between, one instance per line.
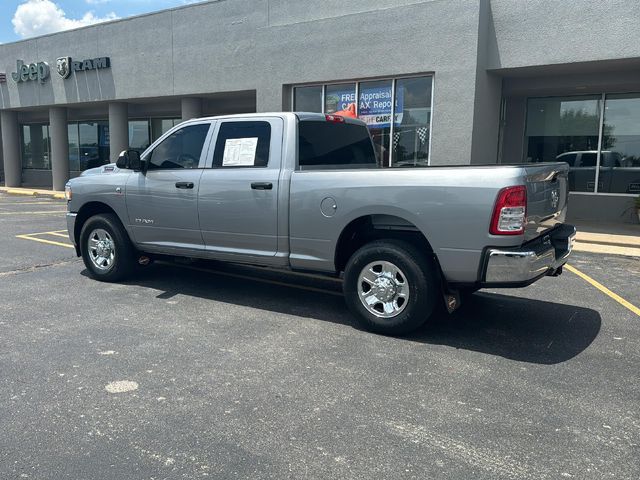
x=439, y=82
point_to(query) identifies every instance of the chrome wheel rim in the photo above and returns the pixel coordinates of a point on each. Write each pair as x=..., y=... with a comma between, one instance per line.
x=383, y=289
x=102, y=250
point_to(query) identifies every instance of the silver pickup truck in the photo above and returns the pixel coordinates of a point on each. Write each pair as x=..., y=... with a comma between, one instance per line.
x=304, y=191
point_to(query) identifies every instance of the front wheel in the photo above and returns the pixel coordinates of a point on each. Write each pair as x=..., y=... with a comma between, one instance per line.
x=391, y=286
x=106, y=249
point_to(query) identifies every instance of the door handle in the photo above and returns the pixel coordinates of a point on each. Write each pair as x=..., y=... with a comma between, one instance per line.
x=262, y=185
x=184, y=184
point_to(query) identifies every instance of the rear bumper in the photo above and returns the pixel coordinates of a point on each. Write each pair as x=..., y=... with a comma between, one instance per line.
x=516, y=267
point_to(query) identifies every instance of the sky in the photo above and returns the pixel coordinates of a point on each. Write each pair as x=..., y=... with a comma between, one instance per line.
x=29, y=18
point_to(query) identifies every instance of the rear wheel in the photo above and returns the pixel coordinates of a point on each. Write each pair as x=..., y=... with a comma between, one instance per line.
x=106, y=249
x=390, y=286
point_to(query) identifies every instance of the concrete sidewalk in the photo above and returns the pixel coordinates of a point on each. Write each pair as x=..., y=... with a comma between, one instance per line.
x=34, y=192
x=608, y=238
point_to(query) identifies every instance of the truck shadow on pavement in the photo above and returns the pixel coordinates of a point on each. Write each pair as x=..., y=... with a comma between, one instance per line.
x=515, y=328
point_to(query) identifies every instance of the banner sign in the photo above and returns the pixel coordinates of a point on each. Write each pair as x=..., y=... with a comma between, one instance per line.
x=374, y=107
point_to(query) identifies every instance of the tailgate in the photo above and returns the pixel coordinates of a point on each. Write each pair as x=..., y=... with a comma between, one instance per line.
x=547, y=196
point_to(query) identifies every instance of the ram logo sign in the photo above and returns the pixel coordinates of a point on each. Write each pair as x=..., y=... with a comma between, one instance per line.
x=65, y=65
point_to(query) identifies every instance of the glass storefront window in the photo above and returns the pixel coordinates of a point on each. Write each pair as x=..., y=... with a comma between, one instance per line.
x=36, y=147
x=412, y=122
x=565, y=129
x=139, y=138
x=159, y=126
x=409, y=136
x=74, y=147
x=374, y=108
x=94, y=144
x=307, y=99
x=620, y=157
x=340, y=97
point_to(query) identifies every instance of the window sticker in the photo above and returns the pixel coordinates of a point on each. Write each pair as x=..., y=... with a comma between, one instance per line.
x=240, y=152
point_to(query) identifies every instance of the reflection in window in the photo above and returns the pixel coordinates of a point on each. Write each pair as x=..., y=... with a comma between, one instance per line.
x=412, y=122
x=620, y=158
x=307, y=99
x=557, y=126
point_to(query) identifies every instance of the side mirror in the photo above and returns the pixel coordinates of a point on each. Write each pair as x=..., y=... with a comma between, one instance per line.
x=129, y=159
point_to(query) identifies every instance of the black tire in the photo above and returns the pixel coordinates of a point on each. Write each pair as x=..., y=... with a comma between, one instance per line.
x=123, y=263
x=422, y=285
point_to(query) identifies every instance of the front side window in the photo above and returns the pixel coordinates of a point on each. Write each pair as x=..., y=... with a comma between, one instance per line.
x=243, y=144
x=329, y=145
x=181, y=149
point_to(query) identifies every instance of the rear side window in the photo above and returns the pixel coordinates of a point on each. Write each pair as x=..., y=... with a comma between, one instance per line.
x=329, y=145
x=181, y=149
x=242, y=144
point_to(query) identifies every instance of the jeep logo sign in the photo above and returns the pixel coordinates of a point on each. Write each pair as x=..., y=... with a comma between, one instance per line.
x=33, y=71
x=65, y=66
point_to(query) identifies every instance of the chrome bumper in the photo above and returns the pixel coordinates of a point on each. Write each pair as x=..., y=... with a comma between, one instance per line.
x=71, y=223
x=524, y=265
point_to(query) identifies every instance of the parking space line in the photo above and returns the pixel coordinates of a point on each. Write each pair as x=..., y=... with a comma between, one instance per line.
x=43, y=240
x=58, y=234
x=604, y=290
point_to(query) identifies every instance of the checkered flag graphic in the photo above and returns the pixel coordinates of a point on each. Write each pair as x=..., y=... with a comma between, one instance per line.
x=396, y=139
x=422, y=134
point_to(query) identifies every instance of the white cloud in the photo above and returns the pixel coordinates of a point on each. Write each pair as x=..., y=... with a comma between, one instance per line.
x=38, y=17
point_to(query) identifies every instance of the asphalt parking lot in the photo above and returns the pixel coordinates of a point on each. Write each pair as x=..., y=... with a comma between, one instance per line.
x=213, y=371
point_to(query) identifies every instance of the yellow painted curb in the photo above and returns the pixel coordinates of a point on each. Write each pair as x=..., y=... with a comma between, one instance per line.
x=33, y=192
x=22, y=192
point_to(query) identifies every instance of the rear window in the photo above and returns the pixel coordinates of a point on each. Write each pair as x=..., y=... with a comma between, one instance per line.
x=329, y=145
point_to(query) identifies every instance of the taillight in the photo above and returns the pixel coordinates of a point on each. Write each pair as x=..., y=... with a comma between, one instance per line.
x=510, y=212
x=334, y=118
